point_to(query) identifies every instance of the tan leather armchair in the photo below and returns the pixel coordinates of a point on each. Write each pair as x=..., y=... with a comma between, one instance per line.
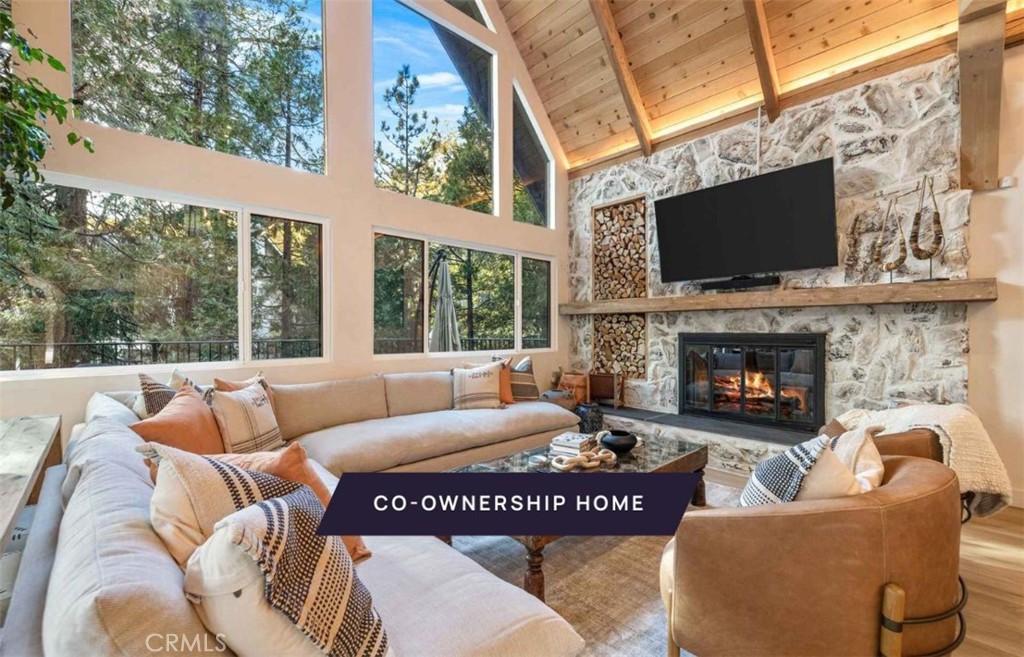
x=807, y=578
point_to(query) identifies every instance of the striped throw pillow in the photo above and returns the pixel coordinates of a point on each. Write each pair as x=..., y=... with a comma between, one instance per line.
x=155, y=395
x=246, y=420
x=524, y=384
x=477, y=387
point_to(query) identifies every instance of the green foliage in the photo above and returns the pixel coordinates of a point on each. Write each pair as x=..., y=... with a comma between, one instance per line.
x=25, y=106
x=405, y=161
x=243, y=77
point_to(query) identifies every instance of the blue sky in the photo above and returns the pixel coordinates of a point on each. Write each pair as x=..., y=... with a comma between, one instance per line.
x=401, y=36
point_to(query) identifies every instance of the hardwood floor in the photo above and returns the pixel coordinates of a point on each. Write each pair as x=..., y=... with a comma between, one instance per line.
x=992, y=564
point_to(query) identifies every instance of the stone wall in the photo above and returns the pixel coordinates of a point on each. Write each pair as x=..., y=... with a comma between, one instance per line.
x=883, y=135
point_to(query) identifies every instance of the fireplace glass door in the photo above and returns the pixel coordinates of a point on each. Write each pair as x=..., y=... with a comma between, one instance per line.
x=768, y=379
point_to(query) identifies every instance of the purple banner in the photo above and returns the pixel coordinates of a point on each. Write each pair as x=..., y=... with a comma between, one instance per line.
x=504, y=504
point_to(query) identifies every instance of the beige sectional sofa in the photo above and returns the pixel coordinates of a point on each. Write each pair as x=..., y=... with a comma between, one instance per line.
x=98, y=579
x=390, y=422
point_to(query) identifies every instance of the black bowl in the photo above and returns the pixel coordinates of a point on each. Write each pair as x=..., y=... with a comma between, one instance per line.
x=619, y=441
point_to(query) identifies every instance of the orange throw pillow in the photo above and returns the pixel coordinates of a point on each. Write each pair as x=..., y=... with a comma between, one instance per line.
x=186, y=423
x=291, y=463
x=221, y=385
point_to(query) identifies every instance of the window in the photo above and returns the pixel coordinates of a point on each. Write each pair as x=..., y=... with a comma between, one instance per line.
x=536, y=304
x=482, y=297
x=239, y=78
x=432, y=110
x=472, y=9
x=531, y=166
x=470, y=296
x=397, y=295
x=95, y=278
x=286, y=292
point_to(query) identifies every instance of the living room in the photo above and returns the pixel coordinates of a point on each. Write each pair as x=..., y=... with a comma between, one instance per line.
x=690, y=236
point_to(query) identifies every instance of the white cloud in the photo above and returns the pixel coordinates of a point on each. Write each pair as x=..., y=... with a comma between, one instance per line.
x=446, y=112
x=441, y=80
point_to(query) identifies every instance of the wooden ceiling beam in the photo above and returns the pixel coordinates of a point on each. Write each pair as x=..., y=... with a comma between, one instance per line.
x=982, y=34
x=761, y=41
x=620, y=65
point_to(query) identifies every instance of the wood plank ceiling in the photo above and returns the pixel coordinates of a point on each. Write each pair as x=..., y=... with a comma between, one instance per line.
x=693, y=63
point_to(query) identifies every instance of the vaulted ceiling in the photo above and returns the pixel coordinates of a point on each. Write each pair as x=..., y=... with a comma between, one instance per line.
x=620, y=77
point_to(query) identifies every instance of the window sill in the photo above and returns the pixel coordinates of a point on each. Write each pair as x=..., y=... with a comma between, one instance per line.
x=463, y=354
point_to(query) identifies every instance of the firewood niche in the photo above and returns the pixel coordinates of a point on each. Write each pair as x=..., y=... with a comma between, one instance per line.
x=619, y=260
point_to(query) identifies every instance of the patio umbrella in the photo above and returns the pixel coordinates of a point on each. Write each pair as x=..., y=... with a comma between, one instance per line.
x=444, y=334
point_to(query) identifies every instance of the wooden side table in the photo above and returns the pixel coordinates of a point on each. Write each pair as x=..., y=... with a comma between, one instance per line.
x=28, y=445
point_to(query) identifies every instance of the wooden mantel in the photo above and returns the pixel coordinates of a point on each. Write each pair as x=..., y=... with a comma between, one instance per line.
x=965, y=290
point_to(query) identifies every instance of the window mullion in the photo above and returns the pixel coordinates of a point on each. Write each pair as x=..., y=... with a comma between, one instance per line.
x=245, y=286
x=426, y=297
x=519, y=302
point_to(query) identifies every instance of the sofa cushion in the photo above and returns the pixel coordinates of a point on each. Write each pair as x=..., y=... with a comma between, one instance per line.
x=377, y=445
x=104, y=405
x=418, y=392
x=113, y=584
x=306, y=407
x=480, y=615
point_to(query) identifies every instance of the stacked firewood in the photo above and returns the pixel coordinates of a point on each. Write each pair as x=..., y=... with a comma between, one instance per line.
x=620, y=345
x=620, y=251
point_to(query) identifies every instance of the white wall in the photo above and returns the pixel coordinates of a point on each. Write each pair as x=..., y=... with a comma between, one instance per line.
x=346, y=196
x=996, y=366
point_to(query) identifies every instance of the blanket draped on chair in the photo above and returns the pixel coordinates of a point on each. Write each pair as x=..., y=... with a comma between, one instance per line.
x=966, y=447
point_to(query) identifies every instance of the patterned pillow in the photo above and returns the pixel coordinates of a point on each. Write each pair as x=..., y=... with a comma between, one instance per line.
x=246, y=420
x=524, y=385
x=155, y=395
x=477, y=387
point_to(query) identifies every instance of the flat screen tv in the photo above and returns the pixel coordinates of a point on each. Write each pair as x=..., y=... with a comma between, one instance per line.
x=779, y=221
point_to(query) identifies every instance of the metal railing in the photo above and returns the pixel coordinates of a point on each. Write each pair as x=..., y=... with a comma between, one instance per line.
x=415, y=345
x=38, y=355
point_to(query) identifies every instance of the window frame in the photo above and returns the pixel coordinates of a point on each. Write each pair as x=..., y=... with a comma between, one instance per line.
x=517, y=91
x=243, y=235
x=429, y=239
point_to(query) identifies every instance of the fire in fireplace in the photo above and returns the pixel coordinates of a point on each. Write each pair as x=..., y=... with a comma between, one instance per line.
x=774, y=378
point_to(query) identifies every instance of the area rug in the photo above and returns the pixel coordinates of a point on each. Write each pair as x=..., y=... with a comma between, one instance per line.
x=605, y=586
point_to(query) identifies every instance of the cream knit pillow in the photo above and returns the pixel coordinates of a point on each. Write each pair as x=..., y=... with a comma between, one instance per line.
x=246, y=420
x=477, y=387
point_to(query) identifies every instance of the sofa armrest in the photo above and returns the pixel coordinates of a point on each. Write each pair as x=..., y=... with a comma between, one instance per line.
x=922, y=443
x=23, y=628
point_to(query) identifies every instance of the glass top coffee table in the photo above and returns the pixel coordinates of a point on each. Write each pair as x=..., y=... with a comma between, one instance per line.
x=652, y=454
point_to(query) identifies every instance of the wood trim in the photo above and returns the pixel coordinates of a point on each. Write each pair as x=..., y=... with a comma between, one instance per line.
x=760, y=39
x=620, y=64
x=980, y=45
x=961, y=290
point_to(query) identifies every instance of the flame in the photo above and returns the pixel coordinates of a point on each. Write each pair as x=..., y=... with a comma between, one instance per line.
x=757, y=387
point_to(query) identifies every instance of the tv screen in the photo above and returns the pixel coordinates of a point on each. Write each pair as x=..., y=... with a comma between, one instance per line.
x=778, y=221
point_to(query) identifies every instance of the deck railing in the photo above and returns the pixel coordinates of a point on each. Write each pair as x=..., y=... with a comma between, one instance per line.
x=35, y=355
x=40, y=355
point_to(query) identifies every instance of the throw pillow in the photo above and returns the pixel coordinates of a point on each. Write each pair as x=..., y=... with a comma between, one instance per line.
x=222, y=385
x=305, y=600
x=186, y=423
x=171, y=510
x=155, y=395
x=806, y=471
x=858, y=452
x=246, y=420
x=576, y=384
x=524, y=385
x=477, y=387
x=504, y=379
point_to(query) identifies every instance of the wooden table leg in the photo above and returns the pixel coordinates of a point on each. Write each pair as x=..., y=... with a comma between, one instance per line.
x=533, y=583
x=700, y=494
x=445, y=539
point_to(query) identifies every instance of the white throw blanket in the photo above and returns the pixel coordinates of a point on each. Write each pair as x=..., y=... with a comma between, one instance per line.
x=966, y=447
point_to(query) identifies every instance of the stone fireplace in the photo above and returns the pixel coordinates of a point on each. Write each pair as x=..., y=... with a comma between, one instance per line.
x=774, y=379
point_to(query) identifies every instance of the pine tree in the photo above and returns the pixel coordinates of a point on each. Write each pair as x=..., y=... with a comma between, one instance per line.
x=404, y=161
